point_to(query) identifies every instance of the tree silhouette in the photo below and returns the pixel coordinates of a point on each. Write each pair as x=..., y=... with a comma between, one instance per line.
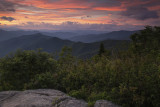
x=147, y=40
x=101, y=49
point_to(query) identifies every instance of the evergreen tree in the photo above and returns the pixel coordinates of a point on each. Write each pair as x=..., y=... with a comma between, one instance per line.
x=101, y=49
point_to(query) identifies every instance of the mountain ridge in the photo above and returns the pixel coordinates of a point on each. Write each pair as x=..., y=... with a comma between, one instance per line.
x=52, y=44
x=115, y=35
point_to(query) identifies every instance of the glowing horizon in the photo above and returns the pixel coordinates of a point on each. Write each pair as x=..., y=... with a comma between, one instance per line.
x=79, y=14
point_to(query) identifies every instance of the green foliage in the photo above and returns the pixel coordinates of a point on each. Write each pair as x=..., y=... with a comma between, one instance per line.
x=80, y=94
x=129, y=78
x=147, y=40
x=96, y=96
x=20, y=68
x=43, y=80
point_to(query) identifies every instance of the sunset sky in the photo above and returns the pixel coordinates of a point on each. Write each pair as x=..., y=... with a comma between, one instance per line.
x=102, y=15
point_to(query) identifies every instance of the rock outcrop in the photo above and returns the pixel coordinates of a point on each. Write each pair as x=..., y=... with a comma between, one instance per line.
x=43, y=98
x=104, y=103
x=38, y=98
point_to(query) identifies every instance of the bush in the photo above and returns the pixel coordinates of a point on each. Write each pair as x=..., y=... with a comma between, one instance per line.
x=20, y=68
x=42, y=81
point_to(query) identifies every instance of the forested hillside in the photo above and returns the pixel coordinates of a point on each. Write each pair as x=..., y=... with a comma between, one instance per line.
x=54, y=44
x=130, y=78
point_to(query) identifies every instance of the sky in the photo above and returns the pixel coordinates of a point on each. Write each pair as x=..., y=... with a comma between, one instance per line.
x=102, y=15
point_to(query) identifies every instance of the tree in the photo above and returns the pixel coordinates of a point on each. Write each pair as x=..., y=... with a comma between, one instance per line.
x=23, y=66
x=147, y=40
x=101, y=49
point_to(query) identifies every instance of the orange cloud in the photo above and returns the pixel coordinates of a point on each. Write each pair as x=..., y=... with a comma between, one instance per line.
x=59, y=11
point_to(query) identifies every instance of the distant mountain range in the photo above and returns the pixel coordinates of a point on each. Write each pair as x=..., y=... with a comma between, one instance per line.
x=81, y=36
x=116, y=35
x=54, y=44
x=61, y=35
x=5, y=35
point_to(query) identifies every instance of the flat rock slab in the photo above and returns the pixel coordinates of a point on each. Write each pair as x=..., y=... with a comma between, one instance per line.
x=39, y=98
x=104, y=103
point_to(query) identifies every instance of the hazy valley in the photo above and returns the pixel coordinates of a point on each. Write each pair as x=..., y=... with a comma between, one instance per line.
x=83, y=46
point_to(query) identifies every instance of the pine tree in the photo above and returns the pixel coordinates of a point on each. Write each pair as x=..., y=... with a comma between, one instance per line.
x=101, y=49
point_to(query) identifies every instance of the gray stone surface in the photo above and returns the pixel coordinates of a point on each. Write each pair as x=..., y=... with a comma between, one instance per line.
x=44, y=98
x=38, y=98
x=104, y=103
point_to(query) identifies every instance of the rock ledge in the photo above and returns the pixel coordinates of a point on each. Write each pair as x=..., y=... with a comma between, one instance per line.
x=43, y=98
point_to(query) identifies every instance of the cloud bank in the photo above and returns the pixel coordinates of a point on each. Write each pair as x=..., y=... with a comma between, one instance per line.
x=7, y=6
x=79, y=14
x=140, y=13
x=73, y=26
x=7, y=18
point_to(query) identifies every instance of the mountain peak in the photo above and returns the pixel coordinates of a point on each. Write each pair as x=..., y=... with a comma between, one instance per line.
x=38, y=34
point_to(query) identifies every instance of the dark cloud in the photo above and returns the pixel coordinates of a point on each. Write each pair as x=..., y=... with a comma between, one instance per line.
x=70, y=23
x=7, y=18
x=86, y=17
x=140, y=13
x=104, y=3
x=6, y=6
x=95, y=3
x=152, y=3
